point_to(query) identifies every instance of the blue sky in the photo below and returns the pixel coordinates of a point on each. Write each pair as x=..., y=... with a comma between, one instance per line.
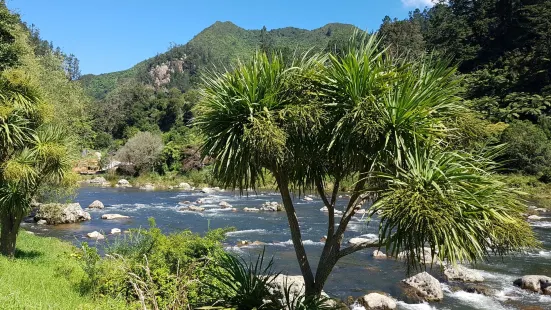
x=113, y=35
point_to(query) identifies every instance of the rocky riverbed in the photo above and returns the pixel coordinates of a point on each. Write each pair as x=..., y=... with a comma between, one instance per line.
x=488, y=285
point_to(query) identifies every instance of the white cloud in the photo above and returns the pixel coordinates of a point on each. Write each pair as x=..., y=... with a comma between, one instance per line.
x=417, y=3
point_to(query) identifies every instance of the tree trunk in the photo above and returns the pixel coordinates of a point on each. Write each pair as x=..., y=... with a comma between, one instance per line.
x=9, y=227
x=296, y=236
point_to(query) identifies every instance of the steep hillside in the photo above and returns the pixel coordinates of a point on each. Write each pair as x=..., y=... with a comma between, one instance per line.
x=217, y=46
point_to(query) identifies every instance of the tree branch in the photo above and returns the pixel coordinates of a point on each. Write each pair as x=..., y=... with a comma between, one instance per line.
x=358, y=247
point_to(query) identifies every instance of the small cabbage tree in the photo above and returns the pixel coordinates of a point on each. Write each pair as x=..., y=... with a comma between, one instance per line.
x=33, y=153
x=366, y=116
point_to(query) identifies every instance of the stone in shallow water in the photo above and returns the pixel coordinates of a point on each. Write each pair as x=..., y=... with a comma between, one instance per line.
x=376, y=301
x=96, y=205
x=425, y=286
x=115, y=231
x=55, y=213
x=379, y=254
x=534, y=217
x=251, y=210
x=95, y=235
x=535, y=283
x=460, y=273
x=114, y=216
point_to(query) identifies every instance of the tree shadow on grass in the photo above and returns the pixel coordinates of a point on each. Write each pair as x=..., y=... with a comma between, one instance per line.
x=23, y=254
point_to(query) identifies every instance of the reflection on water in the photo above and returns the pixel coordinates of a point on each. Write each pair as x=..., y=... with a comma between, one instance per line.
x=355, y=275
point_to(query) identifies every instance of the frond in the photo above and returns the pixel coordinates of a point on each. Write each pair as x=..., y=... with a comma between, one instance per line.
x=449, y=202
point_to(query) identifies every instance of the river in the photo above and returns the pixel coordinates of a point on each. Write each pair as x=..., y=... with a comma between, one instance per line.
x=353, y=276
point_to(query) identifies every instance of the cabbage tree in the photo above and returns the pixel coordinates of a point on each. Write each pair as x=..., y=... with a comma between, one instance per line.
x=33, y=153
x=378, y=120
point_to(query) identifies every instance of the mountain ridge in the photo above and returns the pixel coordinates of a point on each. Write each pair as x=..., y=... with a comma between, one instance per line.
x=222, y=43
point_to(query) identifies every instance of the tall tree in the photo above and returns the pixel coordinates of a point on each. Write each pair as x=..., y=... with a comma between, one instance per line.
x=367, y=116
x=32, y=152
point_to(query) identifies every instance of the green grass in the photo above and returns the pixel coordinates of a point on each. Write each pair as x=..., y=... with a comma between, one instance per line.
x=538, y=193
x=45, y=275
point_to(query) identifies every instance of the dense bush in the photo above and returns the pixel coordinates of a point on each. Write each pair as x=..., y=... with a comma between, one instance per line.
x=167, y=271
x=142, y=151
x=529, y=149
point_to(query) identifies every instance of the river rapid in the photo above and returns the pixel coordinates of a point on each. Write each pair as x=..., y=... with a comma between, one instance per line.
x=354, y=275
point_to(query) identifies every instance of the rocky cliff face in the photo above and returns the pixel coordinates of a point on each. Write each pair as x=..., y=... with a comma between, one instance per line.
x=161, y=74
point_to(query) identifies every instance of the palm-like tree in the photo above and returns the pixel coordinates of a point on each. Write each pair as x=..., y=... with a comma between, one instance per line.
x=32, y=152
x=365, y=115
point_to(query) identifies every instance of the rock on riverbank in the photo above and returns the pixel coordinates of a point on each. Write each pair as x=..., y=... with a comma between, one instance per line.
x=56, y=213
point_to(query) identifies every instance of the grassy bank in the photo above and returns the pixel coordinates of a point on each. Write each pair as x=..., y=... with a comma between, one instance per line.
x=46, y=275
x=537, y=192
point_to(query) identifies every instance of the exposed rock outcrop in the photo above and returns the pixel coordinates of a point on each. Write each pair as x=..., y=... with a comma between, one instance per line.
x=251, y=209
x=55, y=213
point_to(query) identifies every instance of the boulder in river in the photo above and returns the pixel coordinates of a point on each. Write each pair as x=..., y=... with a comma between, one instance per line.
x=379, y=254
x=251, y=210
x=534, y=218
x=56, y=213
x=376, y=301
x=95, y=235
x=308, y=198
x=96, y=205
x=224, y=204
x=535, y=283
x=42, y=222
x=115, y=231
x=123, y=183
x=114, y=216
x=425, y=286
x=185, y=186
x=463, y=274
x=271, y=206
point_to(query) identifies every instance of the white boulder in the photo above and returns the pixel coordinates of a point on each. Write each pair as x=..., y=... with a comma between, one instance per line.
x=56, y=213
x=95, y=235
x=114, y=216
x=96, y=205
x=123, y=183
x=251, y=210
x=115, y=231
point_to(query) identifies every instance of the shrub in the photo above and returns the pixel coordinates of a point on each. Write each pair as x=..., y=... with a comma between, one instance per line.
x=166, y=271
x=528, y=150
x=545, y=176
x=142, y=150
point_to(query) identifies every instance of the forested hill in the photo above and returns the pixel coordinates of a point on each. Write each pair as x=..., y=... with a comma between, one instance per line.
x=218, y=45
